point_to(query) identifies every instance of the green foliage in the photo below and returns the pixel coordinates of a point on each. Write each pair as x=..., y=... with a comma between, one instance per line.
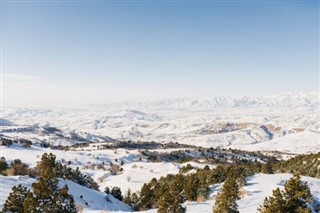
x=76, y=176
x=19, y=168
x=3, y=165
x=127, y=197
x=147, y=197
x=186, y=168
x=45, y=196
x=116, y=192
x=14, y=202
x=193, y=187
x=134, y=201
x=307, y=165
x=293, y=199
x=267, y=168
x=226, y=199
x=107, y=190
x=171, y=201
x=297, y=193
x=274, y=204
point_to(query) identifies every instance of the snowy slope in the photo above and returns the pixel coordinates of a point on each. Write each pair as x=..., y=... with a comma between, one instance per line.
x=95, y=200
x=135, y=172
x=240, y=122
x=257, y=188
x=261, y=185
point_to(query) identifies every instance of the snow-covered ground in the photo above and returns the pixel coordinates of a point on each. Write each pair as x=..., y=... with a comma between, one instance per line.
x=287, y=122
x=87, y=198
x=257, y=188
x=135, y=172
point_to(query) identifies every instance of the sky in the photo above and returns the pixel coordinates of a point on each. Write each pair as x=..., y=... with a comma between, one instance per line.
x=58, y=53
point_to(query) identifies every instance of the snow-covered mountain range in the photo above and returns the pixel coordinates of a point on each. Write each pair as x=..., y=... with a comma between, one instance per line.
x=286, y=122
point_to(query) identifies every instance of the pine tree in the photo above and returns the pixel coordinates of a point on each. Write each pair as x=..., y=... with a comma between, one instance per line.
x=170, y=202
x=297, y=194
x=219, y=175
x=65, y=201
x=191, y=187
x=3, y=165
x=46, y=188
x=46, y=197
x=257, y=166
x=293, y=199
x=146, y=197
x=275, y=204
x=134, y=201
x=30, y=204
x=14, y=202
x=267, y=168
x=116, y=192
x=127, y=197
x=226, y=200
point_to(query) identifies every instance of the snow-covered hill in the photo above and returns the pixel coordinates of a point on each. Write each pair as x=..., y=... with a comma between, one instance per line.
x=286, y=100
x=88, y=199
x=287, y=122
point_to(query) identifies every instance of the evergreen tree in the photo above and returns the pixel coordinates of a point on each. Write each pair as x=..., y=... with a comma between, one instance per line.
x=30, y=204
x=293, y=199
x=46, y=188
x=134, y=201
x=3, y=165
x=46, y=197
x=14, y=202
x=65, y=201
x=127, y=197
x=191, y=187
x=219, y=175
x=226, y=200
x=170, y=202
x=274, y=204
x=107, y=190
x=257, y=166
x=297, y=194
x=146, y=197
x=116, y=192
x=267, y=168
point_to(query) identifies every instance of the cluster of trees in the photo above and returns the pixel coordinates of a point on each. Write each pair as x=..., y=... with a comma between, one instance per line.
x=62, y=171
x=115, y=192
x=209, y=155
x=303, y=164
x=16, y=168
x=168, y=193
x=65, y=172
x=294, y=198
x=45, y=195
x=9, y=142
x=226, y=201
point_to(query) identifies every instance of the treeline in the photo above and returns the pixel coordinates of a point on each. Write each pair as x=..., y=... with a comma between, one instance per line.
x=170, y=191
x=8, y=142
x=61, y=171
x=307, y=165
x=143, y=145
x=209, y=155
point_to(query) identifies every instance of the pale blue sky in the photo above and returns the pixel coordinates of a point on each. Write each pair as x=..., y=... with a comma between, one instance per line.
x=57, y=52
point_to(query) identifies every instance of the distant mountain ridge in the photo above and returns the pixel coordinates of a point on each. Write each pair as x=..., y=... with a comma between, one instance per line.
x=310, y=99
